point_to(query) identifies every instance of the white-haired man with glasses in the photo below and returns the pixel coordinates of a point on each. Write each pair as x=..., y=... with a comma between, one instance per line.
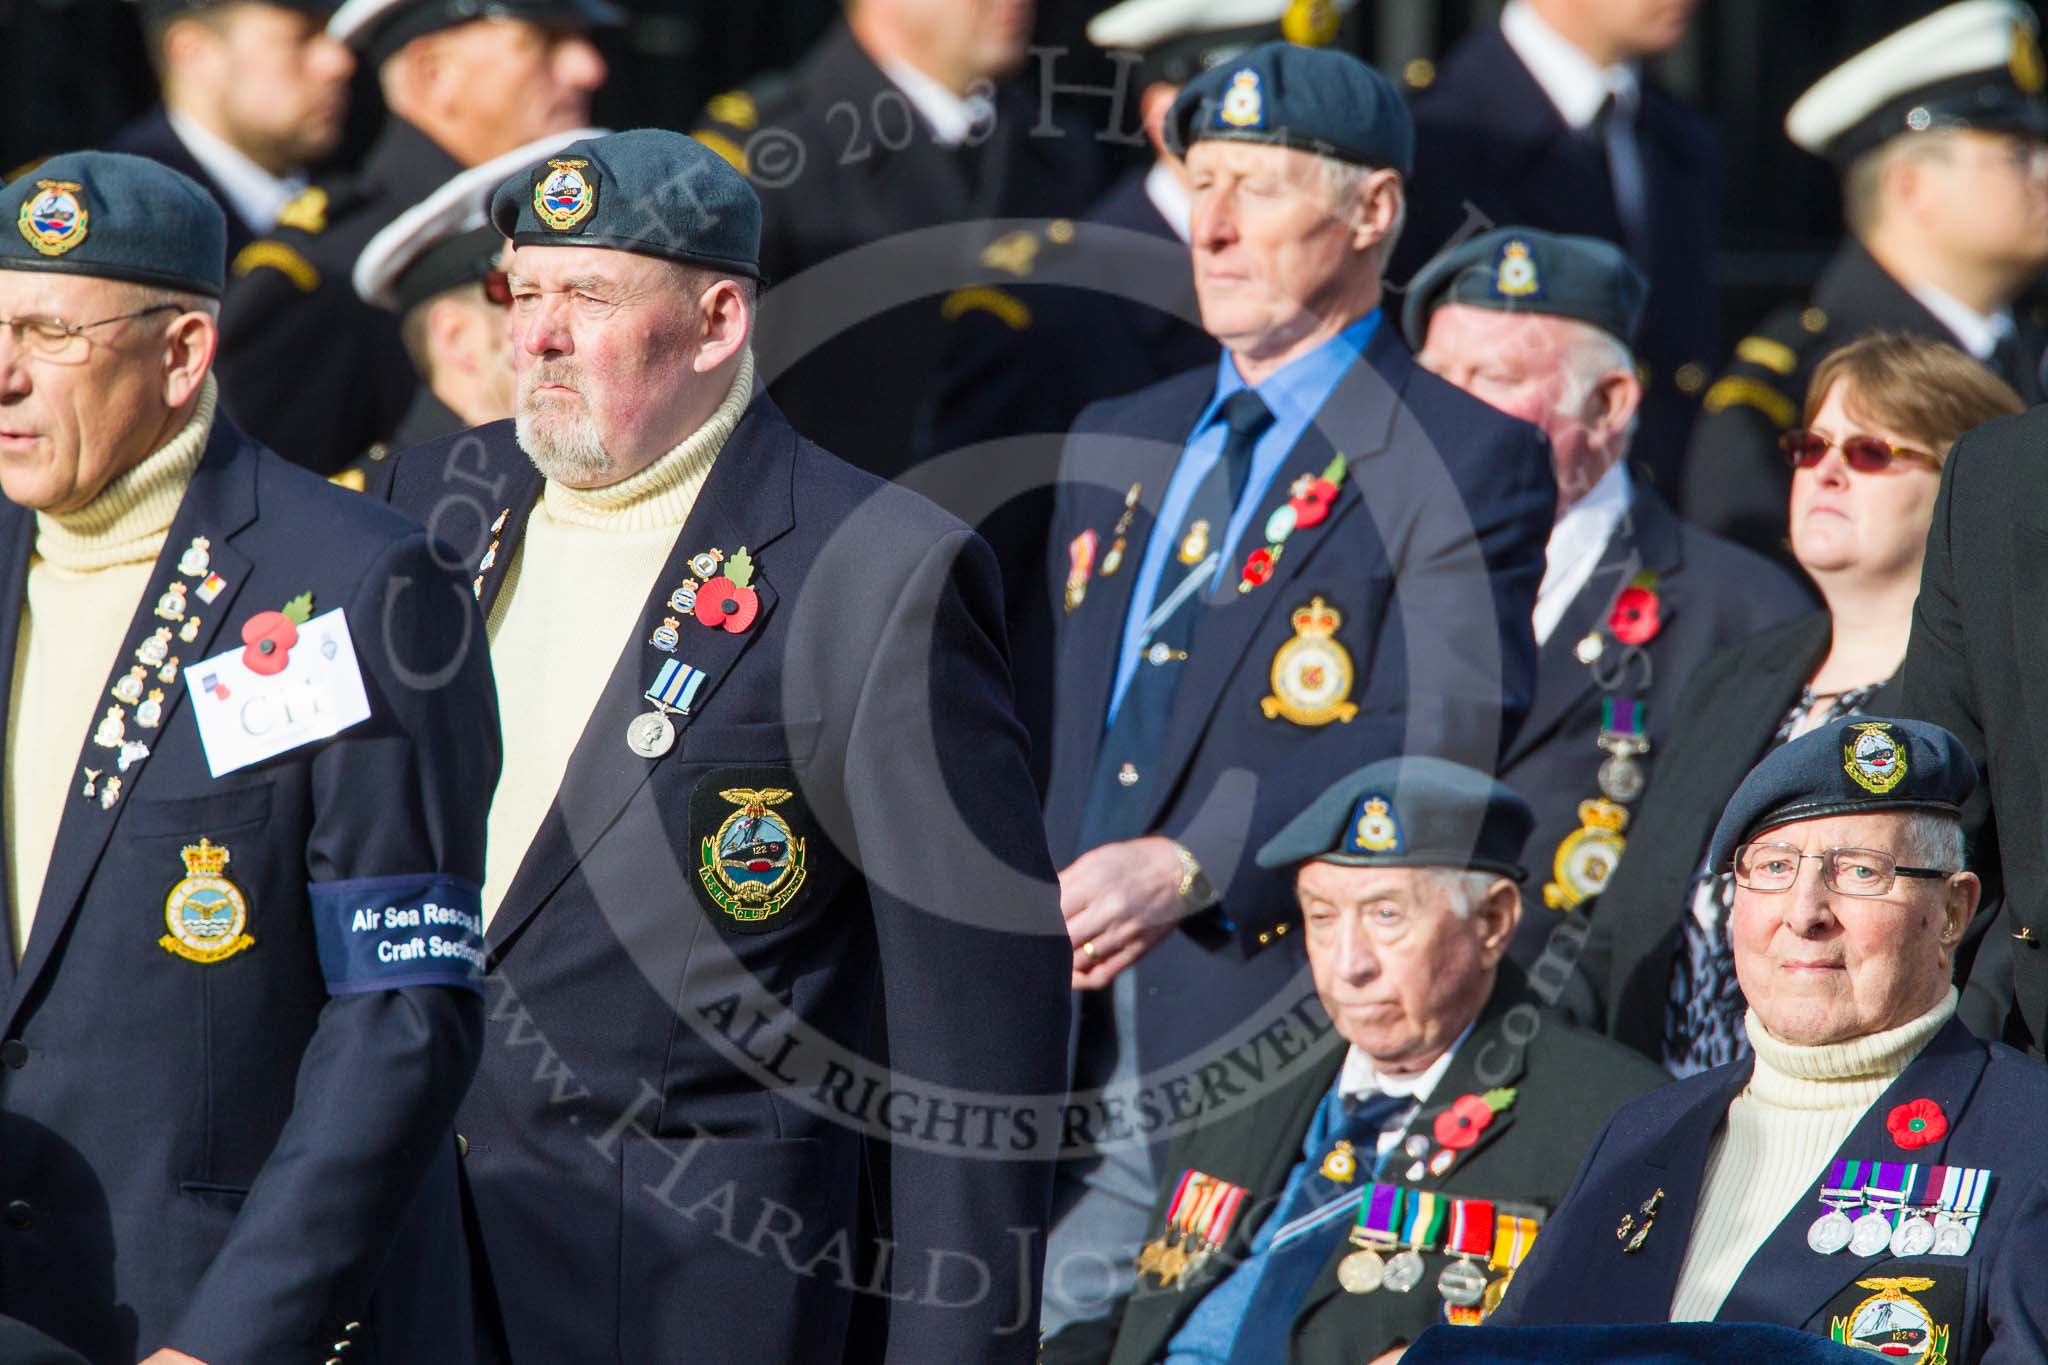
x=1868, y=1175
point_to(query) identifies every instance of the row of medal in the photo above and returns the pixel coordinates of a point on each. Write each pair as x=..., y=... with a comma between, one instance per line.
x=152, y=654
x=1909, y=1210
x=1198, y=1219
x=1397, y=1225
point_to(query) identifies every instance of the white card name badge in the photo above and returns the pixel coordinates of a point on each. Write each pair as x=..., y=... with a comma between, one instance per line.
x=245, y=717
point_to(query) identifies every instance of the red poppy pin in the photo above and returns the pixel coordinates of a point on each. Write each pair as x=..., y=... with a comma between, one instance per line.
x=268, y=636
x=1311, y=501
x=1638, y=611
x=729, y=600
x=1258, y=567
x=1917, y=1123
x=1459, y=1126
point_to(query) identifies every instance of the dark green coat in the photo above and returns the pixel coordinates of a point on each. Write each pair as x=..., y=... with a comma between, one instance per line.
x=1567, y=1082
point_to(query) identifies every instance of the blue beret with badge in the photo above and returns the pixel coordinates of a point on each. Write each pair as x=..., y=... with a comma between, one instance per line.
x=1311, y=99
x=648, y=190
x=118, y=217
x=1413, y=811
x=1851, y=767
x=1180, y=39
x=1522, y=270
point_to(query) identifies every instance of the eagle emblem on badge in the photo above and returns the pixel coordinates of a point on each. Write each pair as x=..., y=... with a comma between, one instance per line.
x=753, y=866
x=1312, y=673
x=1873, y=757
x=564, y=197
x=52, y=219
x=1514, y=275
x=207, y=914
x=1894, y=1324
x=1243, y=105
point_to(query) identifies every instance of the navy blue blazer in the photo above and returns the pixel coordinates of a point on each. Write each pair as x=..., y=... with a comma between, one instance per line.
x=1431, y=553
x=665, y=1084
x=229, y=1157
x=1710, y=592
x=1488, y=138
x=1989, y=1300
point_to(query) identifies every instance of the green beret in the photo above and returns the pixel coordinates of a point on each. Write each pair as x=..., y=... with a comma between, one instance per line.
x=1848, y=768
x=1522, y=270
x=118, y=217
x=1409, y=812
x=1312, y=99
x=649, y=191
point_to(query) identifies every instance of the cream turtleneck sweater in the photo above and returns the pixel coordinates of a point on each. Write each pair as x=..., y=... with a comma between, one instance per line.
x=1782, y=1130
x=87, y=573
x=583, y=571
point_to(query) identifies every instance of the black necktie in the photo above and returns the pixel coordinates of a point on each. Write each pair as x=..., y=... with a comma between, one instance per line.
x=1124, y=766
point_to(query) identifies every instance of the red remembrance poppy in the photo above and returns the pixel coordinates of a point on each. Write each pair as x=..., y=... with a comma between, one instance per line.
x=1258, y=566
x=721, y=602
x=1636, y=618
x=267, y=639
x=1459, y=1126
x=1313, y=505
x=1917, y=1123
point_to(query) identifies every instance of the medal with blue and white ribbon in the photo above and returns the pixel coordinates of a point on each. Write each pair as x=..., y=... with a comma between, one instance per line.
x=651, y=733
x=1960, y=1199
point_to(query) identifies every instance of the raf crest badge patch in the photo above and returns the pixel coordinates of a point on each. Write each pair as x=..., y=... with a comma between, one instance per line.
x=1244, y=106
x=207, y=915
x=564, y=196
x=52, y=219
x=1374, y=829
x=747, y=826
x=1514, y=274
x=1873, y=756
x=1312, y=673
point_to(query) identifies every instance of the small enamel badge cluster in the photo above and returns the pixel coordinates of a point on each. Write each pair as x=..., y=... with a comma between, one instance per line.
x=144, y=690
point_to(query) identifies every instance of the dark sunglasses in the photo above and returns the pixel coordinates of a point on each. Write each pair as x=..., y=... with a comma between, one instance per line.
x=1864, y=454
x=498, y=288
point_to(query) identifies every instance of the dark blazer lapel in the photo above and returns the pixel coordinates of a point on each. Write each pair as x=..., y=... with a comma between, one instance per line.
x=218, y=503
x=502, y=548
x=1360, y=414
x=1649, y=1275
x=1786, y=1281
x=2029, y=548
x=1646, y=538
x=747, y=501
x=17, y=539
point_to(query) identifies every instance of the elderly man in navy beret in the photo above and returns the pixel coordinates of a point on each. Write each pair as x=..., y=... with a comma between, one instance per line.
x=1866, y=1176
x=1309, y=554
x=1399, y=1166
x=1543, y=327
x=240, y=695
x=767, y=895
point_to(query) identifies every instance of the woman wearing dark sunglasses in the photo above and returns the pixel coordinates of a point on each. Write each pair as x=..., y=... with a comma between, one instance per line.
x=1881, y=414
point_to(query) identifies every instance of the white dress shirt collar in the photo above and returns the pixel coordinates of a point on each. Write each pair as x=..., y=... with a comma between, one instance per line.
x=952, y=119
x=1571, y=79
x=1980, y=333
x=1576, y=543
x=1170, y=197
x=255, y=194
x=1360, y=1077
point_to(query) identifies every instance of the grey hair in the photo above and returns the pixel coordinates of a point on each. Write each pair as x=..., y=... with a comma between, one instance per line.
x=1596, y=353
x=1463, y=887
x=1341, y=180
x=1933, y=839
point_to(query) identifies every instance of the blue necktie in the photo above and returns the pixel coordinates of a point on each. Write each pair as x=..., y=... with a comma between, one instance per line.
x=1290, y=1272
x=1124, y=767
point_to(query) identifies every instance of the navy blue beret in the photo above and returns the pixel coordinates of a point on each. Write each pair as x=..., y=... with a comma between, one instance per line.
x=1409, y=812
x=1522, y=270
x=118, y=217
x=1850, y=767
x=648, y=190
x=1312, y=99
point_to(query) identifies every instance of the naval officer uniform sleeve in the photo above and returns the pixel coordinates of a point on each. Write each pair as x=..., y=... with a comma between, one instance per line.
x=973, y=951
x=397, y=820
